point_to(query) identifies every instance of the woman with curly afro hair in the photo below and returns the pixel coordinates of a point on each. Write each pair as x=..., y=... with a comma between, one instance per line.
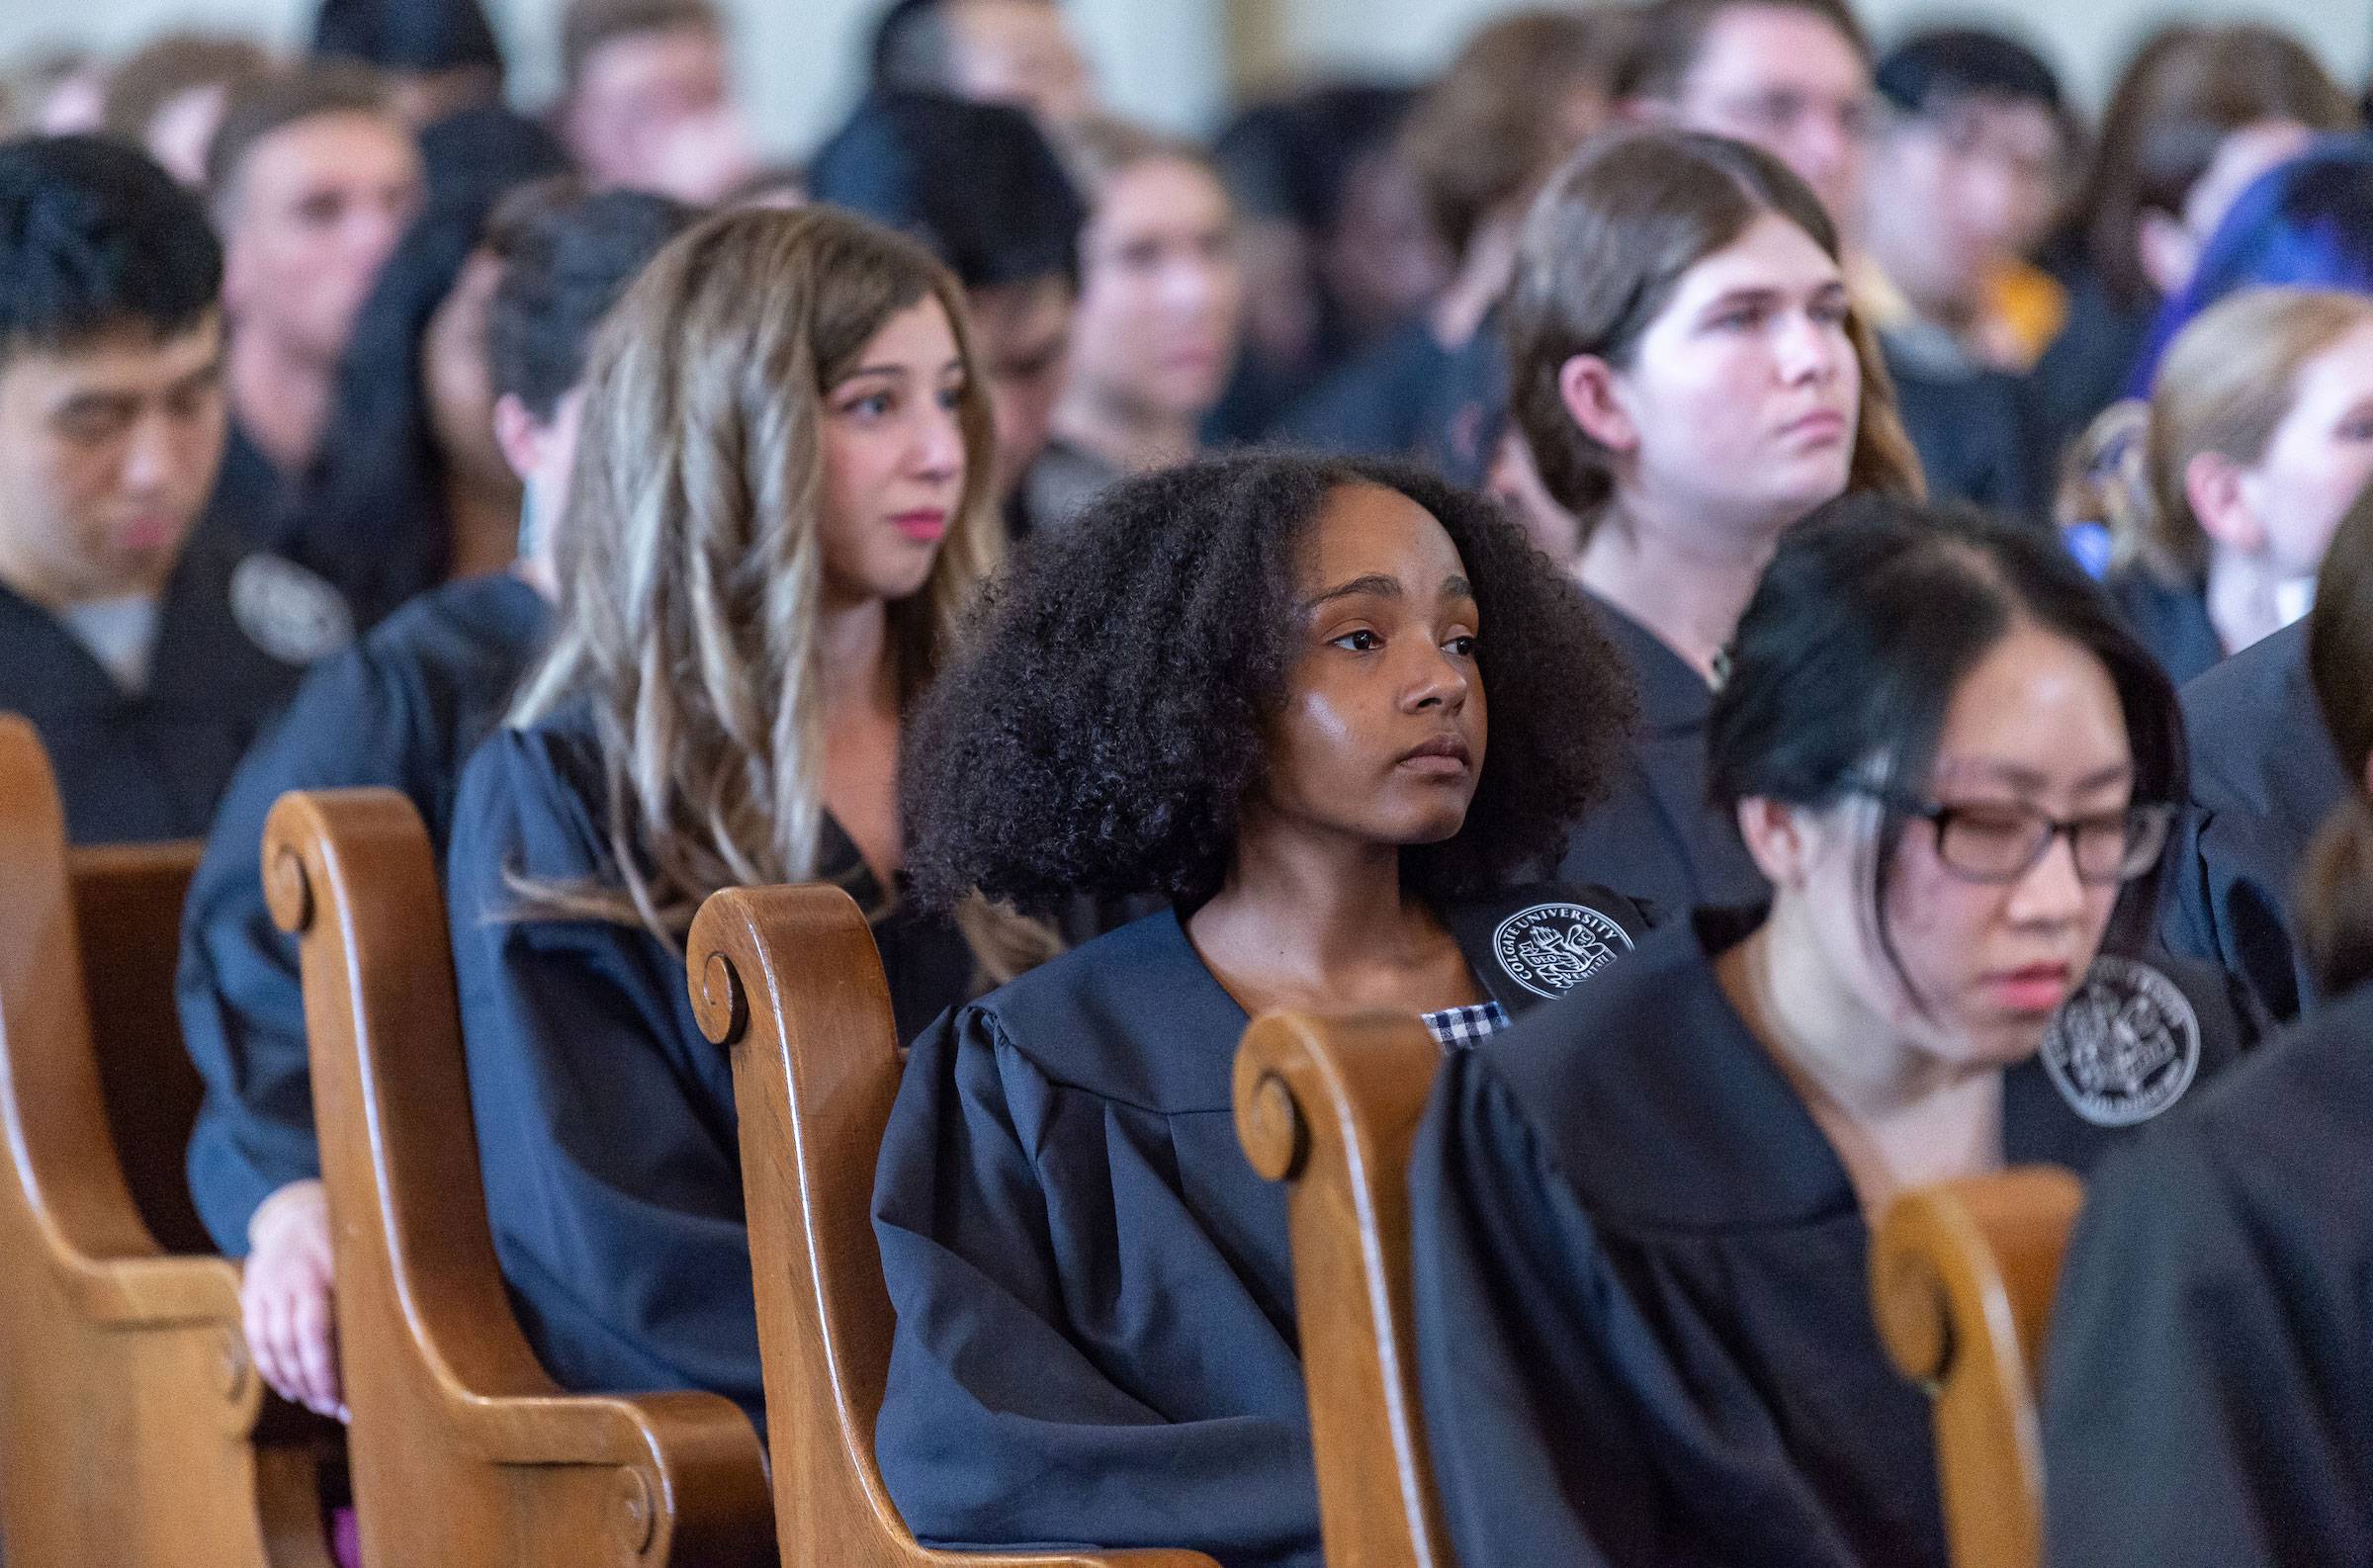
x=1254, y=688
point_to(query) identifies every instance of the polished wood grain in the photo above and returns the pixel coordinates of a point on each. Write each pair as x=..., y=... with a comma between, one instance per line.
x=1962, y=1279
x=789, y=981
x=465, y=1452
x=1330, y=1106
x=133, y=1429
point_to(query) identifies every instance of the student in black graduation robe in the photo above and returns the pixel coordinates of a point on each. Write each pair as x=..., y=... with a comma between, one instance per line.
x=402, y=709
x=145, y=654
x=1641, y=1219
x=1655, y=835
x=1257, y=687
x=684, y=734
x=2265, y=777
x=1649, y=393
x=2208, y=1399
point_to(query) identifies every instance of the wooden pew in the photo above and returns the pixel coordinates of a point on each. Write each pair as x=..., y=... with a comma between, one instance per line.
x=790, y=981
x=1330, y=1107
x=134, y=1428
x=1962, y=1280
x=465, y=1452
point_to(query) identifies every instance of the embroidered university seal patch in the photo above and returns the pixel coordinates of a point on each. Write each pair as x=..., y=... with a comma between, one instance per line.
x=2125, y=1046
x=1550, y=949
x=287, y=611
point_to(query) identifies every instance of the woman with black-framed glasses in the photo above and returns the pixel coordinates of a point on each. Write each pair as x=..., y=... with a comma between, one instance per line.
x=1641, y=1217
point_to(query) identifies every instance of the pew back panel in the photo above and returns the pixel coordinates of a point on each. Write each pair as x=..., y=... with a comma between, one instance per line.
x=128, y=1408
x=1330, y=1106
x=464, y=1451
x=1962, y=1280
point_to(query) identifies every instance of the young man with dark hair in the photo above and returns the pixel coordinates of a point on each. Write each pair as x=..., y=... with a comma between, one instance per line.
x=991, y=51
x=312, y=180
x=402, y=709
x=647, y=100
x=146, y=659
x=981, y=187
x=1965, y=170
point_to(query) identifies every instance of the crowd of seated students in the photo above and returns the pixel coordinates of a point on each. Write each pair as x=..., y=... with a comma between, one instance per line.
x=1668, y=553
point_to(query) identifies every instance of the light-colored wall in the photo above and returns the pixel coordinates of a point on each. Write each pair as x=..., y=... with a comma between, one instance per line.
x=2088, y=39
x=1163, y=61
x=1166, y=61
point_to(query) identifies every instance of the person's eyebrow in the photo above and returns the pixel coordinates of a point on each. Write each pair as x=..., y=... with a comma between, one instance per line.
x=2029, y=779
x=1457, y=587
x=1732, y=299
x=1376, y=582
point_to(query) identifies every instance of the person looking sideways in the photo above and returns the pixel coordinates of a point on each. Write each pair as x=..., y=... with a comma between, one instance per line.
x=647, y=99
x=1327, y=710
x=2258, y=435
x=684, y=733
x=979, y=185
x=145, y=654
x=310, y=181
x=1692, y=380
x=1019, y=53
x=1160, y=314
x=1640, y=1219
x=401, y=710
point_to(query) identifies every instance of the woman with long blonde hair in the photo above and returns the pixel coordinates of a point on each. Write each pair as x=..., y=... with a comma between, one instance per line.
x=780, y=507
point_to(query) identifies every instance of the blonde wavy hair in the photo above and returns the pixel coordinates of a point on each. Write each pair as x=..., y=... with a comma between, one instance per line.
x=692, y=566
x=2227, y=381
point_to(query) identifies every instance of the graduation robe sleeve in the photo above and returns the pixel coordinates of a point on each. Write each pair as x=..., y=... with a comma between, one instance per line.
x=2208, y=1402
x=605, y=1120
x=241, y=1007
x=1051, y=1380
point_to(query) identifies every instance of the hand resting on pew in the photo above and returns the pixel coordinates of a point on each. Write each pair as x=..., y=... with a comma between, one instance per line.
x=286, y=1300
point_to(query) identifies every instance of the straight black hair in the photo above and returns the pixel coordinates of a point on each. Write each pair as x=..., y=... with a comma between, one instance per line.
x=1869, y=616
x=96, y=239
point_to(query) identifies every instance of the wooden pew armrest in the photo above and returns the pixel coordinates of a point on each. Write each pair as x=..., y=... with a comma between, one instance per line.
x=154, y=1291
x=606, y=1429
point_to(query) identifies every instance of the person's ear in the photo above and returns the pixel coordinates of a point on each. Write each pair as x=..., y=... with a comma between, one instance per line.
x=1586, y=385
x=2217, y=489
x=1778, y=840
x=519, y=434
x=2167, y=250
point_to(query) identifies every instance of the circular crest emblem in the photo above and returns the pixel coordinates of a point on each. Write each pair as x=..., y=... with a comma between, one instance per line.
x=287, y=611
x=1550, y=949
x=2125, y=1046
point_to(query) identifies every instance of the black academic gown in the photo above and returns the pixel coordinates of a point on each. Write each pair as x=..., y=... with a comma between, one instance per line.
x=235, y=630
x=1979, y=436
x=2170, y=619
x=2265, y=777
x=1095, y=1339
x=1641, y=1281
x=1654, y=838
x=403, y=709
x=605, y=1121
x=2209, y=1402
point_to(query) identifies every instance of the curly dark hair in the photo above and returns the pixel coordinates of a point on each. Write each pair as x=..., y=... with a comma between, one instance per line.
x=1105, y=723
